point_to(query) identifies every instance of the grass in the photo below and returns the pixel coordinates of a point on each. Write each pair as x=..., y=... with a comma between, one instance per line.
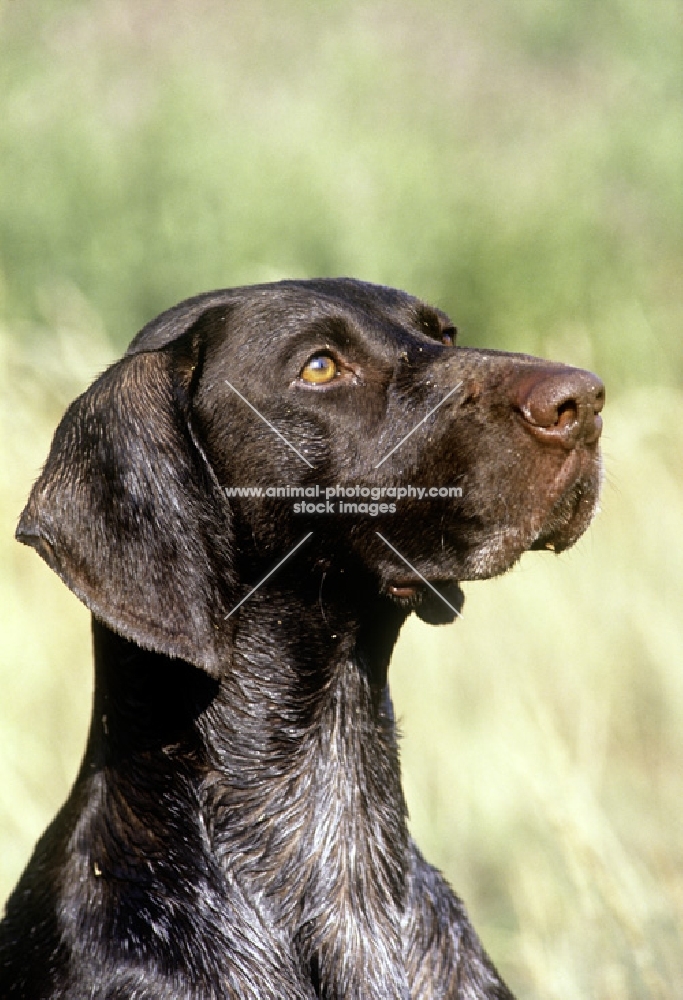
x=519, y=166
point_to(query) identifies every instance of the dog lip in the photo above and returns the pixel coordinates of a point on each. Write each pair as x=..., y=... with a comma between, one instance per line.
x=415, y=588
x=404, y=589
x=573, y=509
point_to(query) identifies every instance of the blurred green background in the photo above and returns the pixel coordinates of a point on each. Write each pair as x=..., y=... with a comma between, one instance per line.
x=519, y=165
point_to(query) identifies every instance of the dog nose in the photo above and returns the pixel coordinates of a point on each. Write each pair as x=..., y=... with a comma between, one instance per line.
x=560, y=405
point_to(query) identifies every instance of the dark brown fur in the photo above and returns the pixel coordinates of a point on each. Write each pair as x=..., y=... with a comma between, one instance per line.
x=238, y=828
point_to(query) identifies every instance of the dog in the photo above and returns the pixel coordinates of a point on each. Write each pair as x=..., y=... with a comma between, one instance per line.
x=238, y=828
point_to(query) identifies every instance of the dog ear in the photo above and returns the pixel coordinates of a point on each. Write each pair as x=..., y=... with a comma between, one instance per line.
x=127, y=510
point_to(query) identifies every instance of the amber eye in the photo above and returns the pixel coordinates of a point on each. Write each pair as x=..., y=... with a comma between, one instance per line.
x=319, y=369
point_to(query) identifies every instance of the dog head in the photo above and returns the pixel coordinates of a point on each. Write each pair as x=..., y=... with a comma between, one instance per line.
x=305, y=386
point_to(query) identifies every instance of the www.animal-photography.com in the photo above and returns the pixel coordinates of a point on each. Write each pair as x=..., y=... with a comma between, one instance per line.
x=341, y=383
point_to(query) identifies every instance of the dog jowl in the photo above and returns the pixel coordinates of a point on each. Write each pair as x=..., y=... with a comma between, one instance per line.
x=251, y=502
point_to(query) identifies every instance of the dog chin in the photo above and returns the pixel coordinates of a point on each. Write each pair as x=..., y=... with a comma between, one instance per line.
x=499, y=554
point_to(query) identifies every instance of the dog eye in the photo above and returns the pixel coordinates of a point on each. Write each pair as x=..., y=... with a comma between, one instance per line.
x=319, y=369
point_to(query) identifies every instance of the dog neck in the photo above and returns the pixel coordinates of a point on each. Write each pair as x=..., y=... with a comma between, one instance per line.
x=304, y=797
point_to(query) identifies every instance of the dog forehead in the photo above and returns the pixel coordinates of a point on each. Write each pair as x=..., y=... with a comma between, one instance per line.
x=278, y=318
x=285, y=306
x=292, y=304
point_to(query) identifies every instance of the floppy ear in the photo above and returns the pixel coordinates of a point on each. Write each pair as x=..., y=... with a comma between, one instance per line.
x=127, y=510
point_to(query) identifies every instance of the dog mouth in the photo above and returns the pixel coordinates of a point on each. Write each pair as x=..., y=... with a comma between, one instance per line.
x=555, y=525
x=567, y=521
x=405, y=590
x=571, y=504
x=575, y=504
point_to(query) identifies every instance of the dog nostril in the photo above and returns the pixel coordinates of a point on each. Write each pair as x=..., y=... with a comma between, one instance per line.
x=567, y=413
